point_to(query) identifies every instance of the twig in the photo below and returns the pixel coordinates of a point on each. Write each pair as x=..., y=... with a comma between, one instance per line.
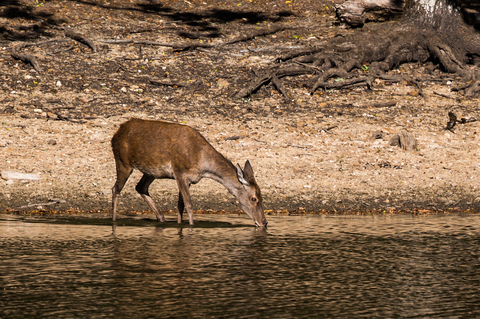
x=52, y=202
x=64, y=118
x=166, y=83
x=385, y=104
x=326, y=129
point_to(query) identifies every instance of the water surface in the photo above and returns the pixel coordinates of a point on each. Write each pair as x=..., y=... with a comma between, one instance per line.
x=301, y=267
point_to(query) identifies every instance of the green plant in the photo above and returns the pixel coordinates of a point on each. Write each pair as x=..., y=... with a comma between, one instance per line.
x=340, y=165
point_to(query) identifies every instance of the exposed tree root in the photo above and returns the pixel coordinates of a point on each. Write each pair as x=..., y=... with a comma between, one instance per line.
x=193, y=46
x=25, y=58
x=365, y=56
x=82, y=39
x=266, y=79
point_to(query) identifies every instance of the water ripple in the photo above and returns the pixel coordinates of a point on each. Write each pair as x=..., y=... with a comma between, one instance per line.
x=300, y=267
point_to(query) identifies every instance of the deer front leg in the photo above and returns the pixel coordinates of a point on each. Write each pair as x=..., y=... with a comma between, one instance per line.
x=181, y=207
x=183, y=187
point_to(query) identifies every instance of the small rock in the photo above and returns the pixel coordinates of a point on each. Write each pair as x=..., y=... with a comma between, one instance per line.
x=91, y=194
x=51, y=115
x=9, y=175
x=52, y=142
x=377, y=135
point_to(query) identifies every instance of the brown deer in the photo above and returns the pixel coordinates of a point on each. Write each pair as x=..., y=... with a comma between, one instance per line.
x=169, y=150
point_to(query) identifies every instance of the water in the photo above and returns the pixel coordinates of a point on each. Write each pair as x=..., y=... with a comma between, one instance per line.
x=301, y=267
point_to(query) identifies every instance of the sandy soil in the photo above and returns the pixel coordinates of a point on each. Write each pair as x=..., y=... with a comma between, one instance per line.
x=58, y=123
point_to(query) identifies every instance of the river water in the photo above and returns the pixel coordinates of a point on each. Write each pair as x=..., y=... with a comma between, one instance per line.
x=301, y=267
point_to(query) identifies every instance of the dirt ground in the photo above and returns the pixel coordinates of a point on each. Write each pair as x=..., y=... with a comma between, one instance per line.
x=327, y=152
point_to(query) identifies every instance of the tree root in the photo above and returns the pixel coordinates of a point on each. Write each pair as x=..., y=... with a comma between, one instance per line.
x=82, y=39
x=473, y=89
x=257, y=33
x=193, y=46
x=357, y=60
x=26, y=58
x=266, y=79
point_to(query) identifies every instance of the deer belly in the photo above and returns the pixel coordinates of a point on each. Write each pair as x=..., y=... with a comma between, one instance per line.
x=157, y=171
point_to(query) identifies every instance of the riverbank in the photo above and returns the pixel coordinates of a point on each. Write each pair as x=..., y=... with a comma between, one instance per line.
x=329, y=151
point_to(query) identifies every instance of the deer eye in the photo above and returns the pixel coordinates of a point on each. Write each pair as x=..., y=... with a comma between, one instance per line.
x=253, y=199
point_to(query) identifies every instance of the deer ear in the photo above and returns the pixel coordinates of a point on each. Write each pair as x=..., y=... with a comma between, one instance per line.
x=241, y=177
x=248, y=171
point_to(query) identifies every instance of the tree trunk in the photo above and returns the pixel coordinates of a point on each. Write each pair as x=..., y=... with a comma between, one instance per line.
x=356, y=13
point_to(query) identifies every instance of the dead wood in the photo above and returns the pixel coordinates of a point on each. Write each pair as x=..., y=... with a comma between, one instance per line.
x=82, y=39
x=448, y=96
x=465, y=120
x=60, y=117
x=327, y=129
x=452, y=121
x=233, y=138
x=405, y=140
x=51, y=202
x=385, y=104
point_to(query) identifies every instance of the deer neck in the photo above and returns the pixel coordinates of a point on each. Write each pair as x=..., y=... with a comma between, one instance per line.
x=224, y=172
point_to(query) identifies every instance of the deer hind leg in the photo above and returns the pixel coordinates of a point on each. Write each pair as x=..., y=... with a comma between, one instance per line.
x=142, y=189
x=184, y=200
x=123, y=173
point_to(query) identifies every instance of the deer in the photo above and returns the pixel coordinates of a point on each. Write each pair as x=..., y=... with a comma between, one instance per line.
x=166, y=150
